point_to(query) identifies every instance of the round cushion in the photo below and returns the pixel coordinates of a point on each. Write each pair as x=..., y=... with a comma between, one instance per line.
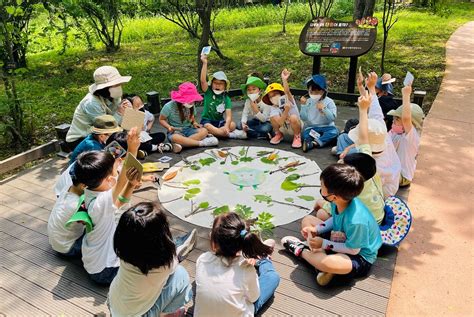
x=397, y=221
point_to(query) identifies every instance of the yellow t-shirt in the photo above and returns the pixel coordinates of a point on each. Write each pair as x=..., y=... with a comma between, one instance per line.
x=372, y=194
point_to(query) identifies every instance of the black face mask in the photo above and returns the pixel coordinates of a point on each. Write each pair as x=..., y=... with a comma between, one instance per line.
x=325, y=197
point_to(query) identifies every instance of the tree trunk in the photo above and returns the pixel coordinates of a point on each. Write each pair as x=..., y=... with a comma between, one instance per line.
x=204, y=10
x=363, y=8
x=384, y=45
x=284, y=17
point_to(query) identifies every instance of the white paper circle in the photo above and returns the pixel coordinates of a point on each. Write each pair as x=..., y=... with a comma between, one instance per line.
x=251, y=183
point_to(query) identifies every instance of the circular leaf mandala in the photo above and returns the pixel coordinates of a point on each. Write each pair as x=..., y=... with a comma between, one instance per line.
x=248, y=180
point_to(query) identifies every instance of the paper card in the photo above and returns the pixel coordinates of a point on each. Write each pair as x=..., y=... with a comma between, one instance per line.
x=154, y=166
x=408, y=81
x=131, y=161
x=115, y=149
x=314, y=134
x=133, y=118
x=282, y=102
x=206, y=50
x=145, y=137
x=165, y=159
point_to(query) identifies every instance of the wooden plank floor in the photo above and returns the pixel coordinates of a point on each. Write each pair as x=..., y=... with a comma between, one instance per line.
x=35, y=281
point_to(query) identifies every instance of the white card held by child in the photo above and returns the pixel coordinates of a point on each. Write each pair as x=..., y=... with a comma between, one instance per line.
x=133, y=118
x=408, y=81
x=131, y=161
x=206, y=50
x=282, y=102
x=165, y=159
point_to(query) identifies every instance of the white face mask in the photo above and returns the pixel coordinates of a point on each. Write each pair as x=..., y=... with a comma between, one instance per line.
x=315, y=97
x=253, y=97
x=116, y=92
x=188, y=105
x=275, y=100
x=218, y=92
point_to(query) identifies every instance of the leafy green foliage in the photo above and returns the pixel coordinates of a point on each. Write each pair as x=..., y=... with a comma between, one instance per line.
x=220, y=210
x=306, y=197
x=203, y=205
x=289, y=185
x=244, y=211
x=192, y=182
x=292, y=177
x=246, y=159
x=264, y=224
x=267, y=161
x=207, y=161
x=195, y=167
x=263, y=199
x=194, y=191
x=289, y=199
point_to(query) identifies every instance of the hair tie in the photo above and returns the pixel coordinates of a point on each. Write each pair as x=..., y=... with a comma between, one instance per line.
x=243, y=232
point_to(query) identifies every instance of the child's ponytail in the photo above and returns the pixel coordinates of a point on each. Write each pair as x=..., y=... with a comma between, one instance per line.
x=253, y=247
x=230, y=235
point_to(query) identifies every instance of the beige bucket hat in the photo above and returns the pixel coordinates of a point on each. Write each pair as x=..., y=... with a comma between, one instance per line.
x=107, y=76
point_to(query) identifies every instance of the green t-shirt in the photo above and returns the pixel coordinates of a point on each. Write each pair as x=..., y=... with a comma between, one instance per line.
x=171, y=112
x=215, y=105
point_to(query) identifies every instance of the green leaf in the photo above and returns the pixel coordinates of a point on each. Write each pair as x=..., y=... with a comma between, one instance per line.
x=192, y=182
x=246, y=159
x=193, y=191
x=242, y=152
x=204, y=205
x=291, y=169
x=221, y=210
x=244, y=211
x=292, y=177
x=188, y=196
x=195, y=167
x=263, y=198
x=263, y=153
x=289, y=199
x=234, y=162
x=289, y=186
x=207, y=161
x=267, y=161
x=307, y=198
x=10, y=9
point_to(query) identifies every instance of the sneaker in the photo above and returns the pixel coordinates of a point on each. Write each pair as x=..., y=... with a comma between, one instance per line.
x=185, y=244
x=334, y=150
x=293, y=245
x=141, y=154
x=296, y=141
x=177, y=147
x=165, y=147
x=277, y=138
x=324, y=278
x=209, y=141
x=307, y=145
x=238, y=134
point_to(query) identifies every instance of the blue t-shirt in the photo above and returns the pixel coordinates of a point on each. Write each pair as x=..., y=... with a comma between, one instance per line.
x=361, y=229
x=88, y=144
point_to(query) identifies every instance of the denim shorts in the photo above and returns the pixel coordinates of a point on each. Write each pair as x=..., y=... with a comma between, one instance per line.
x=216, y=123
x=187, y=132
x=360, y=267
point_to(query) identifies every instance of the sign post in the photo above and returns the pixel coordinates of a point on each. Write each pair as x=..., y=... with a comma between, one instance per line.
x=325, y=37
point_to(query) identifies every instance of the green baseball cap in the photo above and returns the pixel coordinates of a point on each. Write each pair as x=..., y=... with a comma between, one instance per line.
x=255, y=81
x=417, y=114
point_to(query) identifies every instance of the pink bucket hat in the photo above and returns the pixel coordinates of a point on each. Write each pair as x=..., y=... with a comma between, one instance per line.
x=186, y=93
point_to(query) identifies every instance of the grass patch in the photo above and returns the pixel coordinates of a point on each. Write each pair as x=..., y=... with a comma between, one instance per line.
x=159, y=56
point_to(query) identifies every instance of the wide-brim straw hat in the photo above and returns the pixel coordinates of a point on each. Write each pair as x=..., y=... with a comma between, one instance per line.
x=105, y=124
x=107, y=76
x=417, y=114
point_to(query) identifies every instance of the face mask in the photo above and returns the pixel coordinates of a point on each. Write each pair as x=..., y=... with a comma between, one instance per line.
x=315, y=97
x=116, y=92
x=397, y=129
x=253, y=97
x=325, y=197
x=218, y=92
x=188, y=105
x=275, y=100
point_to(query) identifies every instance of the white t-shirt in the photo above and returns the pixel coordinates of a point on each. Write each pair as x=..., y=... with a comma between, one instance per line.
x=223, y=288
x=388, y=167
x=133, y=293
x=61, y=238
x=97, y=246
x=407, y=145
x=248, y=114
x=64, y=182
x=277, y=111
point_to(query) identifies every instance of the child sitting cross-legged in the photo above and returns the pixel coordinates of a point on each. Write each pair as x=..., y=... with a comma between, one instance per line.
x=149, y=281
x=237, y=277
x=284, y=113
x=355, y=235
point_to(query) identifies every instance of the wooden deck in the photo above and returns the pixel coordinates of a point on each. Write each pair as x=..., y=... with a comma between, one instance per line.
x=36, y=281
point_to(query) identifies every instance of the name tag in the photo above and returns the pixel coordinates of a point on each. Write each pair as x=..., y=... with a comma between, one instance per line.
x=314, y=134
x=220, y=108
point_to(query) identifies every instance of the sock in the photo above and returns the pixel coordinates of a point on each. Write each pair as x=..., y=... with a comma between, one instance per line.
x=154, y=147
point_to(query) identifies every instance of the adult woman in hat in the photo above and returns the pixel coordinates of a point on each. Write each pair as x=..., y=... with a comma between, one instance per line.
x=104, y=97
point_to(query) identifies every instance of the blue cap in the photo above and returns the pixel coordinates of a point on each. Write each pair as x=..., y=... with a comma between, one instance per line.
x=319, y=80
x=384, y=87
